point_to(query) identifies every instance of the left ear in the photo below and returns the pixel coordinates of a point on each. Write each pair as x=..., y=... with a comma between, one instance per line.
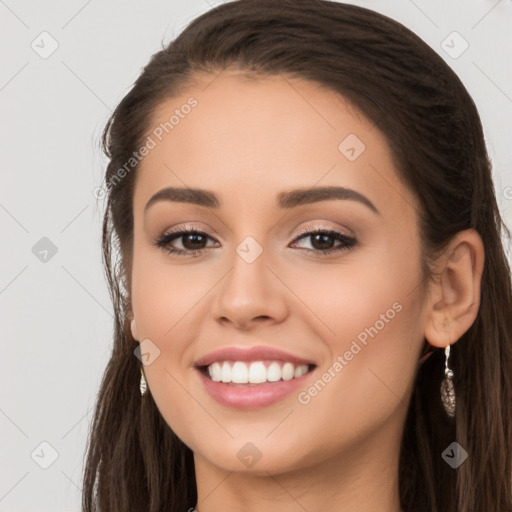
x=454, y=296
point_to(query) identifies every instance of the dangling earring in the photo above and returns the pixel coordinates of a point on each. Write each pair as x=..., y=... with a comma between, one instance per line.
x=143, y=385
x=447, y=388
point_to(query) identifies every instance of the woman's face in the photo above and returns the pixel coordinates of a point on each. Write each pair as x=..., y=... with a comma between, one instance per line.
x=355, y=315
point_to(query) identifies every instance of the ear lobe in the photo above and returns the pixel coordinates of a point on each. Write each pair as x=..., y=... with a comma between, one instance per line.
x=133, y=326
x=454, y=297
x=437, y=330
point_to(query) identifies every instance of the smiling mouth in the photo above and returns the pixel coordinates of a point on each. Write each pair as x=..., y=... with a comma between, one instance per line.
x=254, y=373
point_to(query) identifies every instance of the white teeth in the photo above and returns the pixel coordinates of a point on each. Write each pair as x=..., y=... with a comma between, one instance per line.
x=288, y=370
x=257, y=373
x=240, y=372
x=226, y=372
x=300, y=371
x=274, y=372
x=215, y=371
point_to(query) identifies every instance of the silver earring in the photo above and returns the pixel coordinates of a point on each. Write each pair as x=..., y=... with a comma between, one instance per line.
x=143, y=385
x=447, y=388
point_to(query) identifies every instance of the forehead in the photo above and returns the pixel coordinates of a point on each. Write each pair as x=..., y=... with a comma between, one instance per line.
x=270, y=134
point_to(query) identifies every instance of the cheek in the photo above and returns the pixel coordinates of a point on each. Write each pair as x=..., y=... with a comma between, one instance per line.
x=163, y=298
x=364, y=297
x=374, y=314
x=369, y=316
x=367, y=384
x=163, y=294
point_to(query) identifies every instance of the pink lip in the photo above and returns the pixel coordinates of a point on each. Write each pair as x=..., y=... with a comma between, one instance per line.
x=249, y=354
x=244, y=396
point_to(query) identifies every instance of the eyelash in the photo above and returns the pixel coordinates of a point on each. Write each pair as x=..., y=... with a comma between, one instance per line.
x=164, y=241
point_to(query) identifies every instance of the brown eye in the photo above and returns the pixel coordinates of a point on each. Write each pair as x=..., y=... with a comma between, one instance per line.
x=322, y=241
x=192, y=240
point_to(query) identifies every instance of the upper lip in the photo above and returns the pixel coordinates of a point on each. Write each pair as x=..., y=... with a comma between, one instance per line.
x=249, y=354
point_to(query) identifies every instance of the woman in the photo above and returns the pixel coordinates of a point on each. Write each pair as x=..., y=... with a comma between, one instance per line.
x=303, y=248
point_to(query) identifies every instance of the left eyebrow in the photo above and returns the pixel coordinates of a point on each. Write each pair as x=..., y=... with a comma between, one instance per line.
x=288, y=199
x=299, y=197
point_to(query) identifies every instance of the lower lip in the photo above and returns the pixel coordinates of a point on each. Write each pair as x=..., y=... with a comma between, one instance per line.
x=251, y=396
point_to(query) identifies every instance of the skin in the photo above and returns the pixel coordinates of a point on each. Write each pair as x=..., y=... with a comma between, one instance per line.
x=247, y=141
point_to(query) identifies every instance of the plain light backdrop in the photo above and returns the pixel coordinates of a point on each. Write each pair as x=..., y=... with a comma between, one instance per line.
x=65, y=66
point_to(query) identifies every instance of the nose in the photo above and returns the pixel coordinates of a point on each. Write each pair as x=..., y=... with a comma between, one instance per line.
x=250, y=294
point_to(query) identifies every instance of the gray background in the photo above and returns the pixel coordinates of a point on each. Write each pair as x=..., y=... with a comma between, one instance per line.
x=56, y=314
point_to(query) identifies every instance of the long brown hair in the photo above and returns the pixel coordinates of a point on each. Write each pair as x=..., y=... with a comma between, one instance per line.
x=134, y=460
